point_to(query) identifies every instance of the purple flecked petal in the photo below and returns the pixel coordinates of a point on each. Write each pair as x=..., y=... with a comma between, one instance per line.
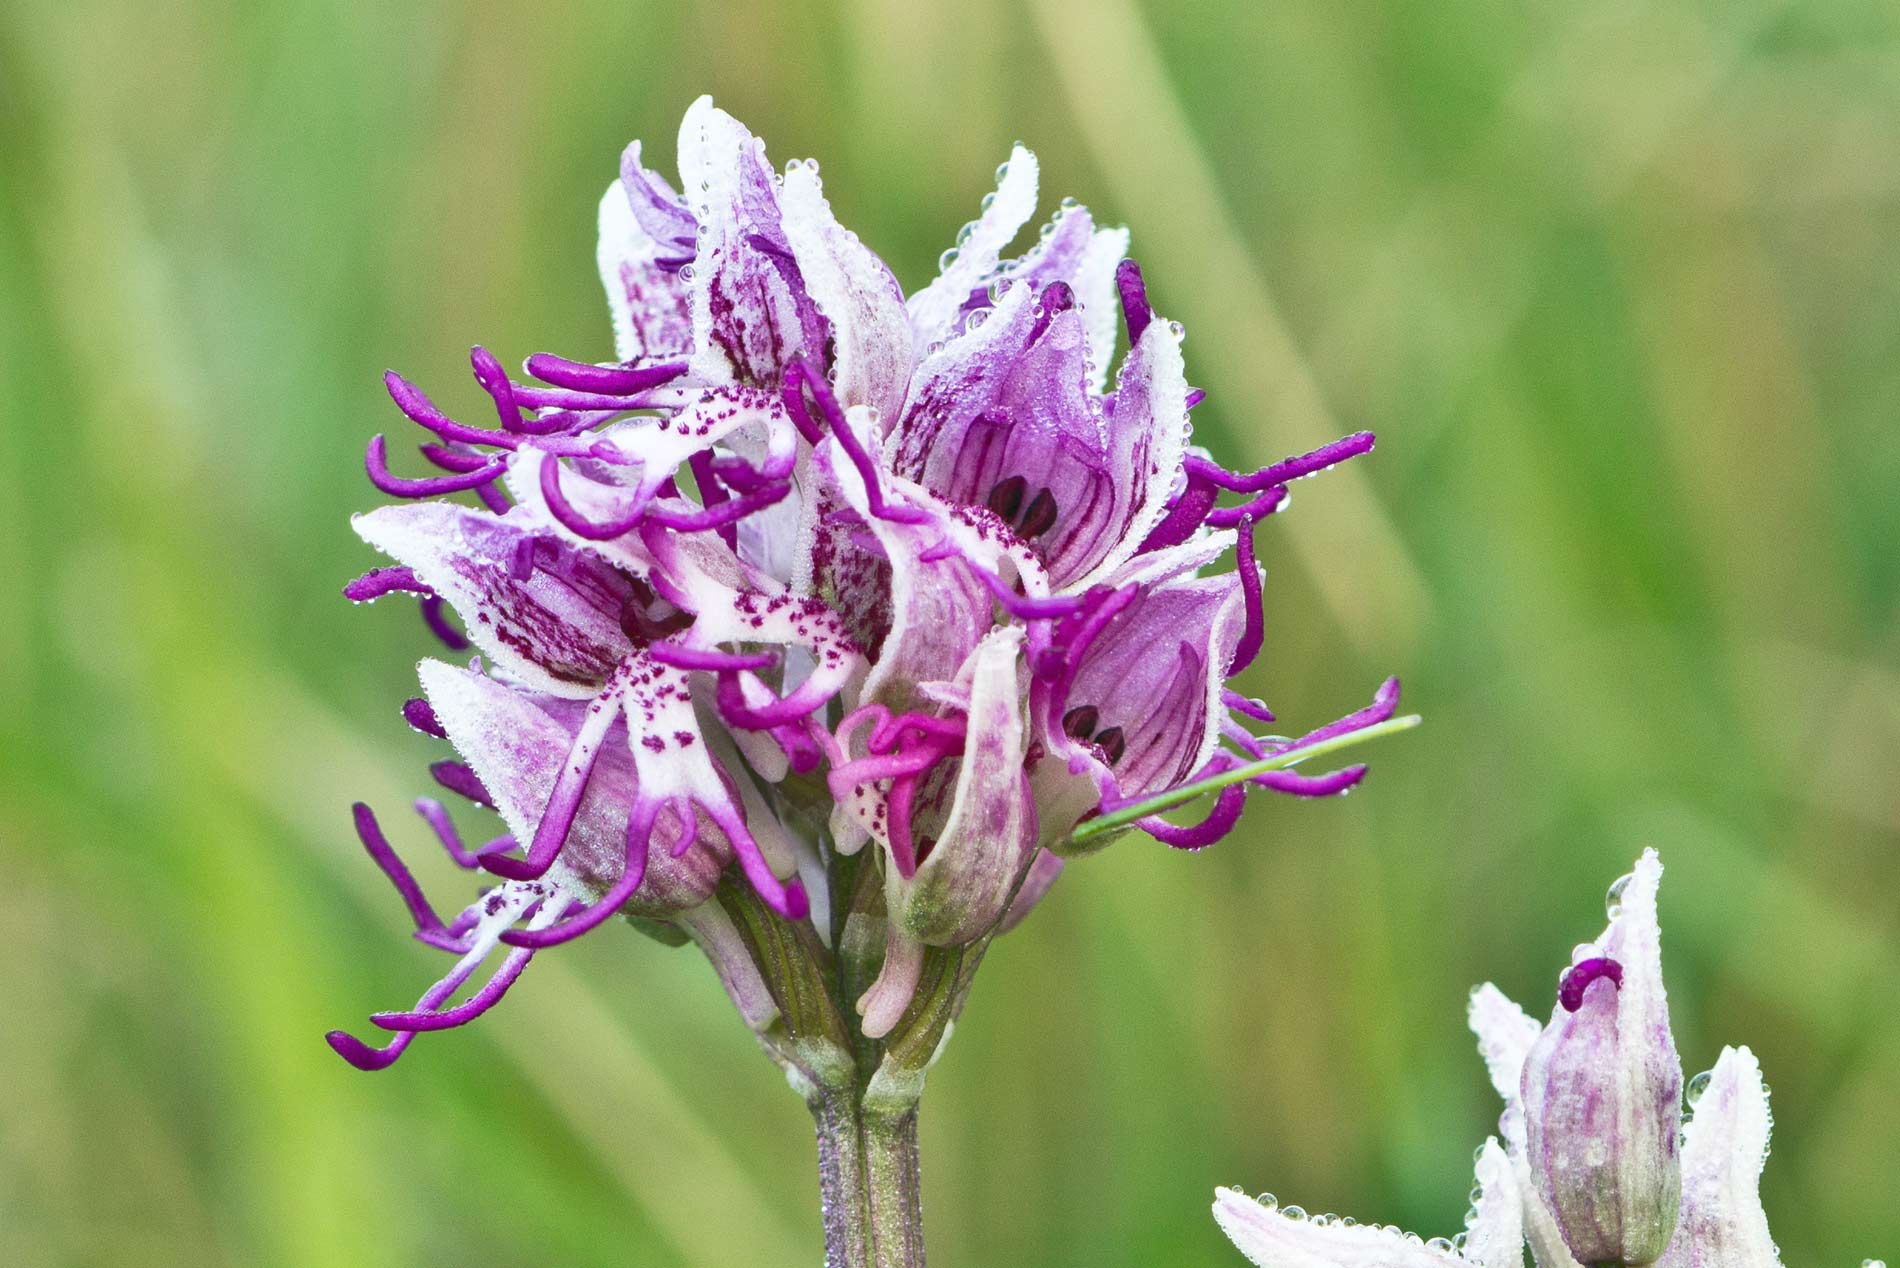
x=870, y=332
x=558, y=631
x=676, y=766
x=1602, y=1092
x=751, y=314
x=652, y=316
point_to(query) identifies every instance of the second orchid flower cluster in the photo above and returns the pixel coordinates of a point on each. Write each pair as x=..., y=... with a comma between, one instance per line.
x=1602, y=1163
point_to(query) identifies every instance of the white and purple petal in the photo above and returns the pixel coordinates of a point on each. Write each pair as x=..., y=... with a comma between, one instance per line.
x=1726, y=1146
x=545, y=613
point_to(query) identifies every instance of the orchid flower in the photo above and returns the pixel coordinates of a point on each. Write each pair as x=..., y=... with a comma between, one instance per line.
x=812, y=565
x=820, y=624
x=1602, y=1162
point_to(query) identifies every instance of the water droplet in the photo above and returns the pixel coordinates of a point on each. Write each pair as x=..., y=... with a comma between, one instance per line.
x=1179, y=331
x=987, y=201
x=977, y=318
x=792, y=165
x=1458, y=1242
x=1325, y=1221
x=1873, y=1263
x=1070, y=203
x=1002, y=170
x=947, y=259
x=686, y=272
x=1476, y=1195
x=1441, y=1244
x=1613, y=901
x=1269, y=1201
x=1698, y=1085
x=963, y=234
x=1477, y=1155
x=1294, y=1213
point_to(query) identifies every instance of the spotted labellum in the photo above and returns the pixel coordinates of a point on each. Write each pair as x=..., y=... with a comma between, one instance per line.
x=1604, y=1160
x=823, y=619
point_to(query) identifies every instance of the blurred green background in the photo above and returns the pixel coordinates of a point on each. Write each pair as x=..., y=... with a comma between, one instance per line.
x=1617, y=283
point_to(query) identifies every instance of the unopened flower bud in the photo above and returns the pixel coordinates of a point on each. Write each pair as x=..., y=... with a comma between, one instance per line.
x=1602, y=1092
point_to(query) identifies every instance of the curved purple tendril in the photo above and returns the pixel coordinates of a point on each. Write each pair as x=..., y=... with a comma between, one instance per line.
x=633, y=871
x=378, y=582
x=1134, y=296
x=421, y=411
x=436, y=815
x=1247, y=705
x=854, y=447
x=607, y=380
x=681, y=657
x=1254, y=509
x=1219, y=822
x=438, y=622
x=459, y=779
x=419, y=714
x=573, y=520
x=370, y=833
x=376, y=463
x=1254, y=634
x=1579, y=976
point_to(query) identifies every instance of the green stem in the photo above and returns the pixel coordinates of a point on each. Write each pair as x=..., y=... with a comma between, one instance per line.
x=870, y=1192
x=1214, y=783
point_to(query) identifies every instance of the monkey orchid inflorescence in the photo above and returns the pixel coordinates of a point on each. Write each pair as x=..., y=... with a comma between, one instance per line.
x=1608, y=1161
x=821, y=625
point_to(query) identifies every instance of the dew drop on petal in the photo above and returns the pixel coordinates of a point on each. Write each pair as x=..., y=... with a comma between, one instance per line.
x=1442, y=1245
x=1270, y=1202
x=1295, y=1213
x=1613, y=901
x=1698, y=1085
x=947, y=259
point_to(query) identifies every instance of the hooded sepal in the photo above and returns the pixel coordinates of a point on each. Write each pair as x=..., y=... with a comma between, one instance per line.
x=965, y=880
